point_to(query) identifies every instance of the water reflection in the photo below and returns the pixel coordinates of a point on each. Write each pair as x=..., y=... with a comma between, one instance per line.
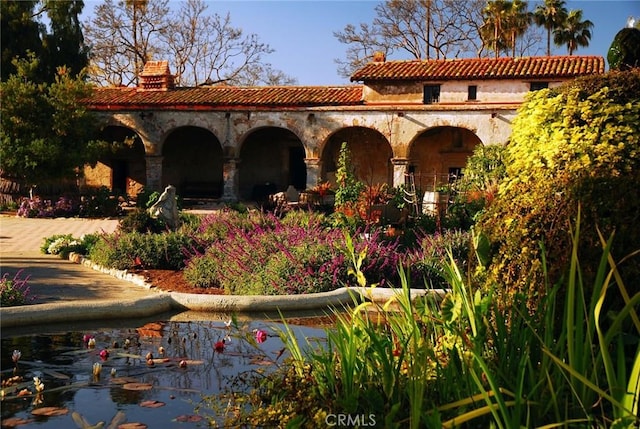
x=156, y=372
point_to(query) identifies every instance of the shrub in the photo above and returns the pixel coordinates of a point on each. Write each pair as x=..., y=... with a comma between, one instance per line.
x=576, y=145
x=99, y=203
x=14, y=291
x=64, y=244
x=139, y=220
x=260, y=254
x=128, y=250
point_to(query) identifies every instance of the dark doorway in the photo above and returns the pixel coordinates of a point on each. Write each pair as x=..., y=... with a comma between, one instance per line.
x=120, y=173
x=297, y=168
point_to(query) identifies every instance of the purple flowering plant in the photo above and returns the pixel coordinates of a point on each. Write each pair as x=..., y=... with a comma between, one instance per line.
x=14, y=291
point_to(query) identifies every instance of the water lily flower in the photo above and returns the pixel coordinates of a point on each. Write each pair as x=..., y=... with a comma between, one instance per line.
x=38, y=384
x=113, y=372
x=149, y=356
x=127, y=343
x=161, y=350
x=97, y=369
x=261, y=336
x=219, y=346
x=104, y=354
x=86, y=338
x=183, y=364
x=91, y=343
x=15, y=356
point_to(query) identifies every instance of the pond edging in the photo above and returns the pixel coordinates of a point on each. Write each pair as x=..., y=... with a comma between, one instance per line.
x=162, y=302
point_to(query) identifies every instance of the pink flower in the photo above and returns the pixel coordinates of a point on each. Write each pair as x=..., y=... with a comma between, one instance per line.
x=261, y=336
x=104, y=354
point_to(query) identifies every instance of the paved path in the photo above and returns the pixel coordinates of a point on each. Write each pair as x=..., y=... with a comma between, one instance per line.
x=52, y=279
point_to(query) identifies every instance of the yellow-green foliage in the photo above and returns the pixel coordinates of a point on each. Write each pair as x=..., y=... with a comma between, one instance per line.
x=578, y=144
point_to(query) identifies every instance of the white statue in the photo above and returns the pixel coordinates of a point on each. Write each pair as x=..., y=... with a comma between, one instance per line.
x=166, y=208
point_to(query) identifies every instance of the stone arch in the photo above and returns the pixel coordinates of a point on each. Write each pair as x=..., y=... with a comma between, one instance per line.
x=371, y=155
x=122, y=171
x=438, y=155
x=271, y=159
x=192, y=161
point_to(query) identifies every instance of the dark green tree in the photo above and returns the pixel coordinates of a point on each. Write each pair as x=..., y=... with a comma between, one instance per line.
x=60, y=43
x=20, y=33
x=47, y=133
x=624, y=52
x=64, y=44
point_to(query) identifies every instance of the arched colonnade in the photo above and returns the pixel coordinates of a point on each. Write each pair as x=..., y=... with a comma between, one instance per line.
x=239, y=155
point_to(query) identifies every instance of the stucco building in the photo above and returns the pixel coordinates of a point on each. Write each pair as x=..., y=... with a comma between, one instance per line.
x=236, y=143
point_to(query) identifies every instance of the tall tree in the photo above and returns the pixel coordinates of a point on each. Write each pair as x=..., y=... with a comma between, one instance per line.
x=517, y=23
x=58, y=43
x=46, y=133
x=574, y=33
x=550, y=15
x=495, y=21
x=64, y=44
x=419, y=29
x=207, y=48
x=199, y=46
x=20, y=32
x=123, y=36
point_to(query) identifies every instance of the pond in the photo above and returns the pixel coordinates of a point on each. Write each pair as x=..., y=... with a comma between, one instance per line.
x=153, y=373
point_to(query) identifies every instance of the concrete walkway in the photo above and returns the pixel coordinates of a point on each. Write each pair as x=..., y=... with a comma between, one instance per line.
x=52, y=279
x=66, y=291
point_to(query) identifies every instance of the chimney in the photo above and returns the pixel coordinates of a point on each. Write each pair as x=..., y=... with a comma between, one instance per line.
x=156, y=76
x=379, y=57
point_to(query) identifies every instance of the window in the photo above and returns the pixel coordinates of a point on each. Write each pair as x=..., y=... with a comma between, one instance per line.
x=455, y=174
x=472, y=92
x=431, y=94
x=536, y=86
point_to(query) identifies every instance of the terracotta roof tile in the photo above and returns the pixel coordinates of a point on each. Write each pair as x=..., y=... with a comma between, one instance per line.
x=481, y=68
x=226, y=96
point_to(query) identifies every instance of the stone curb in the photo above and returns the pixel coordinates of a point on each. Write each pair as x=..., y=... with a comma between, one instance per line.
x=74, y=311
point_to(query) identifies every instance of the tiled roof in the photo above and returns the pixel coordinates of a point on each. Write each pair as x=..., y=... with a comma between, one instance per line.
x=481, y=68
x=227, y=97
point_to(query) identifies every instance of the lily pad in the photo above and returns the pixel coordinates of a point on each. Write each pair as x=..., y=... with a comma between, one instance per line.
x=193, y=362
x=188, y=418
x=152, y=404
x=50, y=411
x=137, y=386
x=123, y=380
x=13, y=422
x=133, y=425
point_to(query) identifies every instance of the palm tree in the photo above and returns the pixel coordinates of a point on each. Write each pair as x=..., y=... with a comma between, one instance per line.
x=517, y=22
x=495, y=17
x=550, y=15
x=574, y=33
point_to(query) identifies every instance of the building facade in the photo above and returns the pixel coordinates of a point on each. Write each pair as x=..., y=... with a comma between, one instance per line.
x=422, y=118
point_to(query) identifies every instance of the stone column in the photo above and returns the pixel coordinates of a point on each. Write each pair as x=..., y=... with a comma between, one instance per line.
x=230, y=179
x=399, y=170
x=154, y=172
x=313, y=171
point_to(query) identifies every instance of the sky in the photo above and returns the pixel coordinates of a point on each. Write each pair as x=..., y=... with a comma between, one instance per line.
x=301, y=31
